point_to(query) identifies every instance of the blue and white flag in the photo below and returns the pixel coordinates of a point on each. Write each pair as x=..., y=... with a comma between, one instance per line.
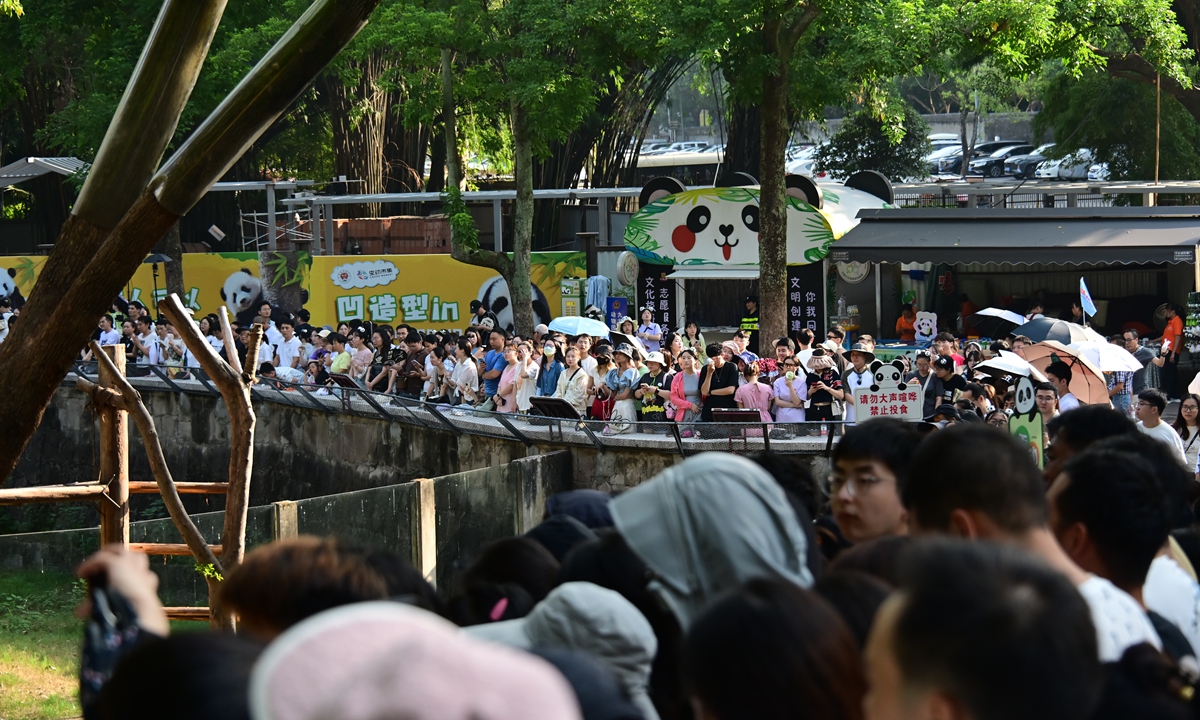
x=1085, y=299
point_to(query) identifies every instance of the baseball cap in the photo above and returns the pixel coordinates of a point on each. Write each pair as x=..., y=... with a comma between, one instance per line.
x=946, y=410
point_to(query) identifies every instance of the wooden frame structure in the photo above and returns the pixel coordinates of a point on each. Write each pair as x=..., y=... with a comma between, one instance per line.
x=114, y=400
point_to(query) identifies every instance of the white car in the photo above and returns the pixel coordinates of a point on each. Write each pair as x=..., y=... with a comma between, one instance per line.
x=1071, y=167
x=1098, y=172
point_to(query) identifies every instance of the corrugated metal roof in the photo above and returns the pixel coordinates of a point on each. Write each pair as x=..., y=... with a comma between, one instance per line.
x=31, y=167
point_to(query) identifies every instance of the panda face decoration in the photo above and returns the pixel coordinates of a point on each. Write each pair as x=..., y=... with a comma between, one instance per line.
x=720, y=226
x=890, y=376
x=1025, y=397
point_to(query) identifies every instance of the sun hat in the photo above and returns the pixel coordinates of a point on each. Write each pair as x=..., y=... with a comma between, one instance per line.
x=624, y=349
x=656, y=357
x=386, y=659
x=860, y=348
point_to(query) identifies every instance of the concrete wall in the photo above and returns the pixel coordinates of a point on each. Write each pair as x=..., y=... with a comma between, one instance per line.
x=438, y=523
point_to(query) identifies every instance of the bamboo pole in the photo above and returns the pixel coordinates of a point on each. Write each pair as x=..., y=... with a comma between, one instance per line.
x=52, y=493
x=114, y=448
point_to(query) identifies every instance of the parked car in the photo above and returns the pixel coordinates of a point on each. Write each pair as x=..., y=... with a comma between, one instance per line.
x=1098, y=172
x=648, y=148
x=687, y=146
x=993, y=165
x=1074, y=166
x=1022, y=167
x=941, y=140
x=951, y=164
x=719, y=147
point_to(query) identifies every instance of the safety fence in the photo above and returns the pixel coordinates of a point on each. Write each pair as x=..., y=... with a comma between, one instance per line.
x=684, y=438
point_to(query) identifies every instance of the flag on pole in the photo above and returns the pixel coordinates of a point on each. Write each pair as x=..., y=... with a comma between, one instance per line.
x=1085, y=299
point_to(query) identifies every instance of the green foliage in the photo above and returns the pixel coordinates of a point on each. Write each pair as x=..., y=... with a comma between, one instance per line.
x=866, y=141
x=1115, y=118
x=462, y=225
x=209, y=571
x=39, y=644
x=11, y=8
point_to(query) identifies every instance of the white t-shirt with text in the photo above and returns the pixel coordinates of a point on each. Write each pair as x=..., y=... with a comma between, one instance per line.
x=1167, y=434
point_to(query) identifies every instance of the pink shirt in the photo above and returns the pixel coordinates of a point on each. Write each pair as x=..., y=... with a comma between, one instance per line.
x=508, y=403
x=755, y=396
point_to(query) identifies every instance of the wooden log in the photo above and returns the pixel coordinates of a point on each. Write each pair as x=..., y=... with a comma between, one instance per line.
x=150, y=487
x=52, y=493
x=174, y=549
x=114, y=448
x=200, y=614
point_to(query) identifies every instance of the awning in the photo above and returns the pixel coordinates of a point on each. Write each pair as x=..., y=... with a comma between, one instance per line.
x=1060, y=236
x=31, y=167
x=714, y=272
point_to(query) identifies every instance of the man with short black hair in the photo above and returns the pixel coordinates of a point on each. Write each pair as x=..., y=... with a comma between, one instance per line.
x=950, y=383
x=998, y=494
x=1059, y=374
x=923, y=376
x=1045, y=396
x=1150, y=407
x=1142, y=354
x=1072, y=433
x=287, y=350
x=943, y=345
x=749, y=324
x=975, y=393
x=1019, y=343
x=982, y=632
x=870, y=468
x=494, y=363
x=1112, y=508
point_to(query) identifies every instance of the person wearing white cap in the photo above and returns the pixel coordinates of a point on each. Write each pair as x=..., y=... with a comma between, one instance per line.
x=596, y=620
x=654, y=390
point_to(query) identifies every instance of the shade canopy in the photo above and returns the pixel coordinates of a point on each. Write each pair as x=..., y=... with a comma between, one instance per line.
x=715, y=272
x=1053, y=236
x=32, y=167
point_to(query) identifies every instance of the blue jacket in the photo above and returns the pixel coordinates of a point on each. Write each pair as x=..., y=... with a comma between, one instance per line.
x=548, y=379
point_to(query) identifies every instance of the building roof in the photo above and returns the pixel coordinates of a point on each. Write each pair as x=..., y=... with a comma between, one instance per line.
x=31, y=167
x=1065, y=236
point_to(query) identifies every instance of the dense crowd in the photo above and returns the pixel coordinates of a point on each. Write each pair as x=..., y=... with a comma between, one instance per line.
x=935, y=576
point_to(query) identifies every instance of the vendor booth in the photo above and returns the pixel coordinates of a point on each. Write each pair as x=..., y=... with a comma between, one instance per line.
x=1133, y=260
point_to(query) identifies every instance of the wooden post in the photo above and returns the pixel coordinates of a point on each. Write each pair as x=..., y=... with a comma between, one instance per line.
x=114, y=458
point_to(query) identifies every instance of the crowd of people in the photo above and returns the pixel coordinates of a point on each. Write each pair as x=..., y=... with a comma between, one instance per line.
x=929, y=576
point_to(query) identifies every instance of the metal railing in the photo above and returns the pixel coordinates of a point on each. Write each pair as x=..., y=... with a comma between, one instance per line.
x=686, y=439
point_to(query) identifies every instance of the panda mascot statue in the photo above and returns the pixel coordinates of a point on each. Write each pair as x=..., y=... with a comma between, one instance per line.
x=242, y=293
x=9, y=290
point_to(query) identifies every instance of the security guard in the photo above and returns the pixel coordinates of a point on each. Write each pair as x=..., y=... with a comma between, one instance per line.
x=750, y=323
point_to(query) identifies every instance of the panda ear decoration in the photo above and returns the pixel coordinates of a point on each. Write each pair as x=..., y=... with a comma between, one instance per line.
x=803, y=188
x=659, y=188
x=876, y=365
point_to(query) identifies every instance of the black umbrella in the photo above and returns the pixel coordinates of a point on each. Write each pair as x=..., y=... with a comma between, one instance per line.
x=1044, y=328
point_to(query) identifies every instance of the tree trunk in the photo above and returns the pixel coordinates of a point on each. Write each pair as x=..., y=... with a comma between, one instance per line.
x=437, y=162
x=171, y=246
x=357, y=113
x=518, y=285
x=449, y=116
x=772, y=202
x=280, y=273
x=743, y=149
x=36, y=356
x=964, y=110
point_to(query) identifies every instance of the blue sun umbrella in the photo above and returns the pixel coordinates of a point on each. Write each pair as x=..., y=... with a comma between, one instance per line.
x=576, y=325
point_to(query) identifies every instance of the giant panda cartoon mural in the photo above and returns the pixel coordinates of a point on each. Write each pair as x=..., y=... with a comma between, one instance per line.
x=720, y=225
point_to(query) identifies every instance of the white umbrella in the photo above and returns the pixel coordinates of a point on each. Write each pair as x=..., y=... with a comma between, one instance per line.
x=1107, y=357
x=1009, y=315
x=1012, y=364
x=1094, y=336
x=575, y=325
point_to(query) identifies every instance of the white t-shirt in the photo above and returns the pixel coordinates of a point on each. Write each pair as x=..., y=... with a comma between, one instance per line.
x=287, y=350
x=588, y=363
x=1068, y=402
x=289, y=374
x=110, y=337
x=1172, y=593
x=266, y=353
x=4, y=326
x=466, y=373
x=1167, y=434
x=272, y=333
x=1120, y=622
x=854, y=381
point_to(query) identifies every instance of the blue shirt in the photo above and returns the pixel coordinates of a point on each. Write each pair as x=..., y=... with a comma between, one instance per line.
x=494, y=360
x=652, y=329
x=548, y=379
x=618, y=381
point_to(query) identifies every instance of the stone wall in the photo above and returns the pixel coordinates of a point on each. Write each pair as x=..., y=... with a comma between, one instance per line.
x=438, y=523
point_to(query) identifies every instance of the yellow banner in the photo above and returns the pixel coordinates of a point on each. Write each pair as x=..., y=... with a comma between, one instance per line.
x=425, y=291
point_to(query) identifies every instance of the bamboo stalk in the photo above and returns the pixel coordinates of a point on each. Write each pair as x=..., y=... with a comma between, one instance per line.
x=173, y=549
x=150, y=487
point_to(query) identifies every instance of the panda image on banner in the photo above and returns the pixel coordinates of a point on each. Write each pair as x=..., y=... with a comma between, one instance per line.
x=9, y=290
x=494, y=296
x=889, y=376
x=242, y=293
